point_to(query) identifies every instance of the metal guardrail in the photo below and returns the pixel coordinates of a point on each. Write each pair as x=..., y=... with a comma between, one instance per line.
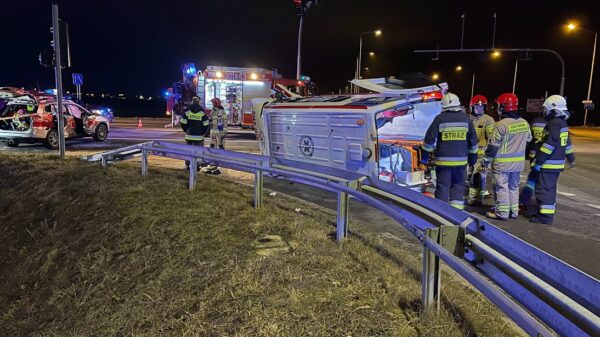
x=540, y=293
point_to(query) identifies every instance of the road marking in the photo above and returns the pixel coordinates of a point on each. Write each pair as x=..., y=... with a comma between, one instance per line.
x=566, y=194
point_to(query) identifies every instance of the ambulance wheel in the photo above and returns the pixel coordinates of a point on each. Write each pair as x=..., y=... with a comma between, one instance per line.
x=101, y=133
x=51, y=141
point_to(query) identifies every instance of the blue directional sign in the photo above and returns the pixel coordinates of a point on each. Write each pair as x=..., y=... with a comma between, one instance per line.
x=77, y=79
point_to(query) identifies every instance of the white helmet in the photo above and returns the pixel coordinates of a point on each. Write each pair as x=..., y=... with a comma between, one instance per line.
x=556, y=105
x=450, y=102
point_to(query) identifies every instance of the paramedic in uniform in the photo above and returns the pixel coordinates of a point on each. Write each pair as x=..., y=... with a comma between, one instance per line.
x=550, y=157
x=507, y=150
x=452, y=139
x=195, y=124
x=484, y=127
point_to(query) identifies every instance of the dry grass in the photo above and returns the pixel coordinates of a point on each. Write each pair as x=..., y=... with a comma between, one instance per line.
x=86, y=251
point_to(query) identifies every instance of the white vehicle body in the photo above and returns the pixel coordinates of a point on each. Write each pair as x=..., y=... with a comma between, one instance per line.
x=375, y=135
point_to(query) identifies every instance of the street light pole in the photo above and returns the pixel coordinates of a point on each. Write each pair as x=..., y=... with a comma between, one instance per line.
x=591, y=77
x=58, y=78
x=515, y=77
x=473, y=85
x=299, y=58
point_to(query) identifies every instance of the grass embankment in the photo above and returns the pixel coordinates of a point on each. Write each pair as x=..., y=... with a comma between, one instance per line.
x=86, y=251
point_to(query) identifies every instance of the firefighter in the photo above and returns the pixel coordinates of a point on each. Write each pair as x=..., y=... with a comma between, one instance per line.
x=507, y=149
x=484, y=127
x=218, y=130
x=218, y=122
x=550, y=157
x=537, y=130
x=195, y=124
x=452, y=139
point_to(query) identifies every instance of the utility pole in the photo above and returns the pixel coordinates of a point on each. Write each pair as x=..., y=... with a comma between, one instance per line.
x=494, y=32
x=473, y=85
x=58, y=78
x=462, y=35
x=299, y=58
x=591, y=77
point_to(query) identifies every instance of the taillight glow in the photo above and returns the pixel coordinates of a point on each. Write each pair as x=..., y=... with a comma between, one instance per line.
x=39, y=121
x=432, y=96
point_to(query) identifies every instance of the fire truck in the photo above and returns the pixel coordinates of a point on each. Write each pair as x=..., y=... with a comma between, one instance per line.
x=377, y=134
x=234, y=86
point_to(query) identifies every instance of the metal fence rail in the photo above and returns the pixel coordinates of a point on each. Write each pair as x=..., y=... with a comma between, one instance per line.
x=539, y=292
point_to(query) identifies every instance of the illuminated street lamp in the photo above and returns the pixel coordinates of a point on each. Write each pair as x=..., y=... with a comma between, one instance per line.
x=458, y=68
x=372, y=53
x=359, y=61
x=435, y=76
x=496, y=54
x=571, y=27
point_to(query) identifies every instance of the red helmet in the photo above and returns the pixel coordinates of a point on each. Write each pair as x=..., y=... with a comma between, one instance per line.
x=478, y=99
x=507, y=102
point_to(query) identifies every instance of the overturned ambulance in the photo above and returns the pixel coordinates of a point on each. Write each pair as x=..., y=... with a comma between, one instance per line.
x=377, y=134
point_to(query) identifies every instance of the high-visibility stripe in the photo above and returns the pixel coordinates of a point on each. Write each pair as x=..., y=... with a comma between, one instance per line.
x=547, y=209
x=569, y=149
x=545, y=150
x=538, y=125
x=474, y=149
x=427, y=147
x=553, y=166
x=565, y=129
x=460, y=204
x=451, y=163
x=193, y=137
x=503, y=208
x=510, y=159
x=453, y=128
x=183, y=121
x=454, y=124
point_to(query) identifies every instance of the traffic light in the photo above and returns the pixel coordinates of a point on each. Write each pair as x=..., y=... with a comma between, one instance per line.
x=304, y=5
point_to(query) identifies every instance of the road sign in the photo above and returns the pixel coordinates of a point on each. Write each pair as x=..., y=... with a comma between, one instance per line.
x=535, y=105
x=77, y=79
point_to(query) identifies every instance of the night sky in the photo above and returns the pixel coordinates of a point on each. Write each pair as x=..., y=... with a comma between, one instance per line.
x=137, y=47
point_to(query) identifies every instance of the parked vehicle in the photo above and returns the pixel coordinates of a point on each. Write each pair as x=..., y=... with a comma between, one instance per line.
x=40, y=125
x=377, y=134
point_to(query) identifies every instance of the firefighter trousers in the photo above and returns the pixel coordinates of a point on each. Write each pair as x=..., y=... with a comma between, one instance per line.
x=450, y=184
x=195, y=143
x=507, y=194
x=545, y=194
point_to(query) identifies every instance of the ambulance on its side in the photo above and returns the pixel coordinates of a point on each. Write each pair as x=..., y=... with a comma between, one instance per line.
x=377, y=134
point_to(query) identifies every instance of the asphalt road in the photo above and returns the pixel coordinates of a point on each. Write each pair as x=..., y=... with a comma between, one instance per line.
x=573, y=238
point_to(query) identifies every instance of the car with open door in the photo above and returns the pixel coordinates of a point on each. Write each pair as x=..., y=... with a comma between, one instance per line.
x=22, y=126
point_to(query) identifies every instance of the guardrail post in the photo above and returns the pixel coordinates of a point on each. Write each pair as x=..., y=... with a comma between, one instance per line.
x=193, y=173
x=104, y=162
x=341, y=228
x=144, y=162
x=258, y=188
x=430, y=276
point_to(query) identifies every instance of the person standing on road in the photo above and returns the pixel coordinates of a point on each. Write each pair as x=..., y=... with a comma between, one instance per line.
x=484, y=127
x=452, y=139
x=218, y=130
x=195, y=124
x=537, y=130
x=550, y=157
x=507, y=149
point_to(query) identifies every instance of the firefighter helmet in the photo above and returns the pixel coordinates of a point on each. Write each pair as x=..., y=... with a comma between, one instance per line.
x=450, y=102
x=556, y=105
x=507, y=102
x=478, y=105
x=216, y=102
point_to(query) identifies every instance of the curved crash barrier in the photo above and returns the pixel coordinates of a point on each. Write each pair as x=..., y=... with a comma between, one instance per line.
x=543, y=295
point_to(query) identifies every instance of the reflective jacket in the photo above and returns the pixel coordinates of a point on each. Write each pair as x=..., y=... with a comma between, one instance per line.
x=508, y=144
x=218, y=120
x=484, y=126
x=194, y=122
x=555, y=146
x=451, y=137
